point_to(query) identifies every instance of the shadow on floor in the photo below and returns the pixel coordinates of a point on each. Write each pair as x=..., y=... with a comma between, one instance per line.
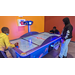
x=69, y=56
x=52, y=54
x=55, y=53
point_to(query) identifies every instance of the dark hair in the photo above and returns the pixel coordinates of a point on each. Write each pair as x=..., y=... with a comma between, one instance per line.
x=54, y=27
x=66, y=20
x=4, y=29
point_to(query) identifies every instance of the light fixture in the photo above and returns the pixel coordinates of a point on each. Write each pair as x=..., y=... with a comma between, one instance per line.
x=20, y=16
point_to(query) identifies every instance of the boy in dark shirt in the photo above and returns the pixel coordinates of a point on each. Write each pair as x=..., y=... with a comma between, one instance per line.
x=54, y=31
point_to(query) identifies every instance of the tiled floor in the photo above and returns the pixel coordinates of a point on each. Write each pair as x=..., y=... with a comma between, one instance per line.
x=71, y=50
x=54, y=53
x=8, y=54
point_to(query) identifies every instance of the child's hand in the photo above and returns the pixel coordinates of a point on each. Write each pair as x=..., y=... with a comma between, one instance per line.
x=62, y=41
x=16, y=44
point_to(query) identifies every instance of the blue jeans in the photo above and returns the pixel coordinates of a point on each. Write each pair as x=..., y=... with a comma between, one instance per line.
x=64, y=48
x=12, y=52
x=3, y=54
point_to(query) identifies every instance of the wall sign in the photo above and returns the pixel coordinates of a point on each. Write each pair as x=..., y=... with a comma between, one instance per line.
x=21, y=22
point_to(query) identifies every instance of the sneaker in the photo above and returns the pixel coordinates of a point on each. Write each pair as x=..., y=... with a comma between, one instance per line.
x=64, y=56
x=58, y=56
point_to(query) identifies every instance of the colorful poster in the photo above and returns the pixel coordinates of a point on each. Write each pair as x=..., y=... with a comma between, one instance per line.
x=21, y=22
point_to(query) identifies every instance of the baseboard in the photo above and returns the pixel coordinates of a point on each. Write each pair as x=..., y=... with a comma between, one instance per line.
x=73, y=41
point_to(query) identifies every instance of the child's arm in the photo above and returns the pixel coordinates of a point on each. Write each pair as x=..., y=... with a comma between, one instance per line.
x=7, y=43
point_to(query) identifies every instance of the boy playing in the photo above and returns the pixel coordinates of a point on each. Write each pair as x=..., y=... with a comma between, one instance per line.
x=4, y=43
x=54, y=31
x=65, y=38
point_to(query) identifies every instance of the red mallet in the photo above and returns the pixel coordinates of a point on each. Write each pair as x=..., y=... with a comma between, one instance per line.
x=17, y=45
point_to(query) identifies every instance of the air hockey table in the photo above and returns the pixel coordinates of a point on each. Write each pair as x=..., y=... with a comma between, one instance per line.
x=36, y=45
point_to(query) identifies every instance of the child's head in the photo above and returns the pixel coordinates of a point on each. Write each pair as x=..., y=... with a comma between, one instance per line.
x=54, y=28
x=5, y=30
x=66, y=21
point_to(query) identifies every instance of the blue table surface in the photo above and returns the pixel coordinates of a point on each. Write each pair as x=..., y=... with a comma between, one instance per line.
x=34, y=41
